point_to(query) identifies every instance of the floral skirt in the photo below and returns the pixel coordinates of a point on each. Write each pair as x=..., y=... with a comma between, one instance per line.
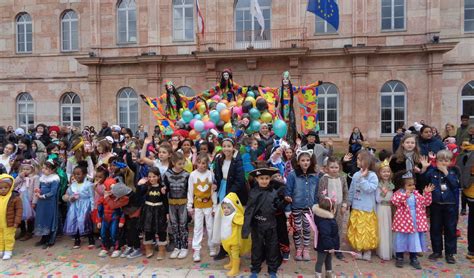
x=362, y=230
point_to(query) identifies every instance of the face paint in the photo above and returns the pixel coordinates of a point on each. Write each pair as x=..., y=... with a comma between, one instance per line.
x=226, y=76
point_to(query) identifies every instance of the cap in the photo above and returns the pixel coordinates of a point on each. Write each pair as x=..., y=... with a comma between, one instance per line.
x=264, y=172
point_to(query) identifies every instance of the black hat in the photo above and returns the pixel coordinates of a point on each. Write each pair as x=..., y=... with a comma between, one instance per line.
x=312, y=133
x=264, y=172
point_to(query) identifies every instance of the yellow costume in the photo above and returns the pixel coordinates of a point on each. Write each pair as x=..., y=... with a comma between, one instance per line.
x=10, y=216
x=362, y=230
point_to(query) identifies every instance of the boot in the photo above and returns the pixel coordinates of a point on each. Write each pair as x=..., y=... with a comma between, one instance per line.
x=235, y=267
x=221, y=255
x=148, y=248
x=229, y=265
x=161, y=252
x=26, y=237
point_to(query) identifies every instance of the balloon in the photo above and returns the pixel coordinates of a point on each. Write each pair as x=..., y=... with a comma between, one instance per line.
x=201, y=108
x=209, y=125
x=225, y=115
x=220, y=106
x=225, y=102
x=214, y=116
x=199, y=126
x=197, y=117
x=220, y=125
x=240, y=101
x=262, y=104
x=251, y=99
x=192, y=122
x=204, y=134
x=280, y=128
x=266, y=117
x=187, y=116
x=232, y=104
x=250, y=94
x=193, y=134
x=237, y=110
x=254, y=114
x=255, y=126
x=246, y=106
x=180, y=124
x=205, y=118
x=216, y=97
x=228, y=127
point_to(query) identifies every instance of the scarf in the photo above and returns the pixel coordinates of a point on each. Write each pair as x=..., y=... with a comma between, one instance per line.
x=409, y=163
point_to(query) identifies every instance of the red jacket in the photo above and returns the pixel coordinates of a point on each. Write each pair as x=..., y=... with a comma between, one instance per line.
x=402, y=221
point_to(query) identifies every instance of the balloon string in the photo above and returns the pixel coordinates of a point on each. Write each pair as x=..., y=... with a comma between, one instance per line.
x=354, y=254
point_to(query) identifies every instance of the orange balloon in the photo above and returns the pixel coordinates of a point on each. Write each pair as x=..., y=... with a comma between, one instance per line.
x=225, y=115
x=193, y=134
x=225, y=102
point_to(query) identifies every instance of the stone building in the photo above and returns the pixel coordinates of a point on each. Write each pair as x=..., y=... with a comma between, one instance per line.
x=392, y=62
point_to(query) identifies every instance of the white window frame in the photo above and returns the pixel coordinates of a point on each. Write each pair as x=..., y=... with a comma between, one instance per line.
x=25, y=99
x=22, y=22
x=394, y=92
x=467, y=20
x=467, y=97
x=265, y=41
x=183, y=7
x=69, y=21
x=392, y=17
x=67, y=103
x=323, y=94
x=130, y=6
x=127, y=96
x=327, y=26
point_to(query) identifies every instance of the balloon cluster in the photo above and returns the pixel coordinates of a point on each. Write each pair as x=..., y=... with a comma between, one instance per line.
x=223, y=116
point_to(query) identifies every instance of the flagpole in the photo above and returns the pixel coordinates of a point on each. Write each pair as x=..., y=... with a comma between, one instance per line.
x=304, y=23
x=198, y=40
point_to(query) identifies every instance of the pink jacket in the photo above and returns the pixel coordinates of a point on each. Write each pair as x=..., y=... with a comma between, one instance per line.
x=402, y=221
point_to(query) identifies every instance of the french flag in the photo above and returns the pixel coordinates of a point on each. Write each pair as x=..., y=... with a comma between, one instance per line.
x=200, y=19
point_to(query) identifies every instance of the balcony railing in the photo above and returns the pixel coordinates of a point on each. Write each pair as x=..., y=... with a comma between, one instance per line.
x=237, y=40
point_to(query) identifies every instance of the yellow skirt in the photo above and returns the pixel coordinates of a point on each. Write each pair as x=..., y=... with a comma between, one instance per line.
x=362, y=231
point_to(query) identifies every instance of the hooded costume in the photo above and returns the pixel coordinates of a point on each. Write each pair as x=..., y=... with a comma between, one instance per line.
x=11, y=210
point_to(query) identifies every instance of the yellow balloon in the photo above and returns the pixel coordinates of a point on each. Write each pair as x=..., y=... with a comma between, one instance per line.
x=240, y=101
x=252, y=100
x=228, y=128
x=266, y=117
x=201, y=108
x=205, y=118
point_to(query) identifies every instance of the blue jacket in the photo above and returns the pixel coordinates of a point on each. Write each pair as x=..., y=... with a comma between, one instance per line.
x=432, y=145
x=436, y=177
x=362, y=191
x=302, y=188
x=328, y=234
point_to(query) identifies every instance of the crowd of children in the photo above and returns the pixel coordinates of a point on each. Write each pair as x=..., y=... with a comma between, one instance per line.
x=250, y=194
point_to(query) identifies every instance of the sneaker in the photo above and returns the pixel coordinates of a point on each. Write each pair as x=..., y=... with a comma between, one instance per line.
x=450, y=259
x=299, y=254
x=7, y=255
x=285, y=256
x=306, y=256
x=470, y=255
x=415, y=263
x=339, y=256
x=399, y=263
x=212, y=252
x=435, y=256
x=196, y=256
x=135, y=254
x=77, y=244
x=367, y=255
x=103, y=253
x=183, y=253
x=116, y=254
x=126, y=252
x=175, y=253
x=358, y=255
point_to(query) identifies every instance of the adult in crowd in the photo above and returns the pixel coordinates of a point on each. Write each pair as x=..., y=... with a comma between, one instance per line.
x=355, y=141
x=141, y=134
x=462, y=134
x=397, y=139
x=428, y=144
x=105, y=131
x=41, y=133
x=449, y=131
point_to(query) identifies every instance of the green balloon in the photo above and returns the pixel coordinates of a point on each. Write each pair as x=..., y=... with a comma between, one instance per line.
x=254, y=114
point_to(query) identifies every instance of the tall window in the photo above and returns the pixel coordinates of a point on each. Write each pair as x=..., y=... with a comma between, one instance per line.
x=25, y=111
x=467, y=99
x=71, y=110
x=468, y=15
x=183, y=20
x=393, y=15
x=323, y=27
x=127, y=21
x=69, y=31
x=127, y=103
x=186, y=90
x=247, y=27
x=24, y=33
x=328, y=109
x=393, y=106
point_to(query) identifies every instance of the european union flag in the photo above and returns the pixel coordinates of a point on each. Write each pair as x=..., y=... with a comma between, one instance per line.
x=326, y=9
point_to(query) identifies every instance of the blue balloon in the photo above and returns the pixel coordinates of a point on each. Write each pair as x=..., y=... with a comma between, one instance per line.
x=204, y=134
x=255, y=126
x=198, y=117
x=220, y=106
x=254, y=114
x=280, y=128
x=199, y=126
x=251, y=94
x=214, y=116
x=187, y=116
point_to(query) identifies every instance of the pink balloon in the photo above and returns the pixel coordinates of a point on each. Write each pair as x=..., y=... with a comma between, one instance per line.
x=209, y=125
x=216, y=97
x=238, y=110
x=191, y=123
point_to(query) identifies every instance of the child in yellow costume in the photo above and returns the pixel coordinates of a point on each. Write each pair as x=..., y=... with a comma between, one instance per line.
x=231, y=214
x=11, y=210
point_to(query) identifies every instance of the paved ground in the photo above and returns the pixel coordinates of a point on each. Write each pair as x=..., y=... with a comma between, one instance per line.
x=62, y=261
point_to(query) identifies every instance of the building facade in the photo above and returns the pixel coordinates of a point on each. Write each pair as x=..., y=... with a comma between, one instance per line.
x=391, y=63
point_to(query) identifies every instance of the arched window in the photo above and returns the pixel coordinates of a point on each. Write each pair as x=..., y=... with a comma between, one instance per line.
x=127, y=103
x=328, y=109
x=24, y=33
x=25, y=111
x=247, y=27
x=69, y=31
x=186, y=90
x=127, y=21
x=71, y=110
x=393, y=106
x=183, y=20
x=467, y=99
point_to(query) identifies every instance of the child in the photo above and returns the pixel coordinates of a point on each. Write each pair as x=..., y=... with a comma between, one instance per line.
x=231, y=218
x=278, y=183
x=25, y=184
x=383, y=195
x=328, y=235
x=80, y=196
x=46, y=200
x=201, y=195
x=444, y=208
x=410, y=223
x=185, y=148
x=362, y=227
x=176, y=181
x=101, y=175
x=301, y=189
x=334, y=185
x=11, y=211
x=288, y=157
x=407, y=157
x=260, y=222
x=164, y=155
x=154, y=214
